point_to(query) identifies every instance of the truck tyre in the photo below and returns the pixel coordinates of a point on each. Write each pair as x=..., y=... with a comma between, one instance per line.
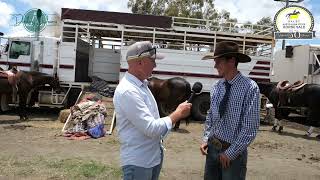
x=200, y=106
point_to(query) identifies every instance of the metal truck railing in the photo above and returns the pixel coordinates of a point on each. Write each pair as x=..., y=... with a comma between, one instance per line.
x=231, y=27
x=186, y=34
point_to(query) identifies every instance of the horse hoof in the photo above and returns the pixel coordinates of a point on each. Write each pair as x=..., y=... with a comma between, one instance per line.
x=274, y=128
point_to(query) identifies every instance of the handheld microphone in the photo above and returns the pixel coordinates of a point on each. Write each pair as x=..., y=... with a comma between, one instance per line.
x=196, y=88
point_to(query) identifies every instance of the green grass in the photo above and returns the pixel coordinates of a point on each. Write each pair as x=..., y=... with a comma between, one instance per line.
x=40, y=167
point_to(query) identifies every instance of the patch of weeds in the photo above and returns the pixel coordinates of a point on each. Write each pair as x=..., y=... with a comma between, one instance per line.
x=112, y=142
x=78, y=168
x=12, y=166
x=75, y=168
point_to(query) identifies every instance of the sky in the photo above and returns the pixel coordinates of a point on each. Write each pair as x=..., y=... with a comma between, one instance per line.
x=243, y=10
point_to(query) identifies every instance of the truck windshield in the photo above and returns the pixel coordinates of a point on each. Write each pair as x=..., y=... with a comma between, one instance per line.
x=19, y=48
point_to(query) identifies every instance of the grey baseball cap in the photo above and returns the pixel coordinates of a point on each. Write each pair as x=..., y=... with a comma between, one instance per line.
x=142, y=49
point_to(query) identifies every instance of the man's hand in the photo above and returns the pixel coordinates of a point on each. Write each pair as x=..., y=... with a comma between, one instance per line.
x=182, y=111
x=224, y=160
x=204, y=148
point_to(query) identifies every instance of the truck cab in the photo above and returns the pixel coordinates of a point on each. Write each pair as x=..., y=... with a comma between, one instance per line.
x=32, y=54
x=16, y=52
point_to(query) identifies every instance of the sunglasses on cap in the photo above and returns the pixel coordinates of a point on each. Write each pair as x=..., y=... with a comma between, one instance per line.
x=149, y=52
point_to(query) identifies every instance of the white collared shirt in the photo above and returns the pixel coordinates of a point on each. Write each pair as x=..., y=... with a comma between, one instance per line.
x=139, y=125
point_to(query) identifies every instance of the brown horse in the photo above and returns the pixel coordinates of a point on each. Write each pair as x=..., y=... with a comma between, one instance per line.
x=25, y=82
x=169, y=94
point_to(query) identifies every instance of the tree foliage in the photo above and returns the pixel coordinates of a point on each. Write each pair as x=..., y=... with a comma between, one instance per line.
x=266, y=21
x=198, y=9
x=263, y=24
x=180, y=8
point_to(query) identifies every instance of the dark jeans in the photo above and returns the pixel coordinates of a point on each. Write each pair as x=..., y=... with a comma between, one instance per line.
x=131, y=172
x=214, y=171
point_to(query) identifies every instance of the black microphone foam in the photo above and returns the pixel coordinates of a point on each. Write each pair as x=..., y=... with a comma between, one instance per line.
x=196, y=88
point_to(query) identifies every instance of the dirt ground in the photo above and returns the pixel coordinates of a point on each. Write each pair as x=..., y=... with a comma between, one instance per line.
x=35, y=149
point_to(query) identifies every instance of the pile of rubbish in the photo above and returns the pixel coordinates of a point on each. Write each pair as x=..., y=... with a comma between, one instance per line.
x=101, y=86
x=87, y=119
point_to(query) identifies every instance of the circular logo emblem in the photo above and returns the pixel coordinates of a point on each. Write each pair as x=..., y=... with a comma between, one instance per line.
x=35, y=20
x=294, y=19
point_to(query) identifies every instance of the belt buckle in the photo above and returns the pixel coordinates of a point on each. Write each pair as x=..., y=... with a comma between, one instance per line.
x=216, y=143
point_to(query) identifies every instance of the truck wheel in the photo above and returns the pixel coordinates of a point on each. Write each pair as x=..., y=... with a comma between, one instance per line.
x=200, y=106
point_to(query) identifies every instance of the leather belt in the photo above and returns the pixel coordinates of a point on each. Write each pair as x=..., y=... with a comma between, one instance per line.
x=219, y=144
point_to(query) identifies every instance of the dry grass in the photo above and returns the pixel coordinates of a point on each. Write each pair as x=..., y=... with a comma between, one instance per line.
x=44, y=168
x=63, y=115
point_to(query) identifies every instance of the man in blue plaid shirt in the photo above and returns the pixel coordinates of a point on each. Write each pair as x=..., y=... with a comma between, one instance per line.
x=233, y=118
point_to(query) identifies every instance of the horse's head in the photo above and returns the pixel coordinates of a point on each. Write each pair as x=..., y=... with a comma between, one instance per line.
x=39, y=79
x=269, y=89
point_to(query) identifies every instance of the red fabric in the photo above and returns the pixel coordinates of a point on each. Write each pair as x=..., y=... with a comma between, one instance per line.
x=77, y=136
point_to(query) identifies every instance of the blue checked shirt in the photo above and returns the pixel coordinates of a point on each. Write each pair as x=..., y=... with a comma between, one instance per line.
x=139, y=125
x=240, y=123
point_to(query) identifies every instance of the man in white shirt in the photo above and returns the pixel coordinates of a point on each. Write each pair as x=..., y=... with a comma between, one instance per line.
x=139, y=125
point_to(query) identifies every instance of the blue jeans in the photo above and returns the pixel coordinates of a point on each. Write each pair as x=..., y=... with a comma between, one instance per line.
x=131, y=172
x=214, y=171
